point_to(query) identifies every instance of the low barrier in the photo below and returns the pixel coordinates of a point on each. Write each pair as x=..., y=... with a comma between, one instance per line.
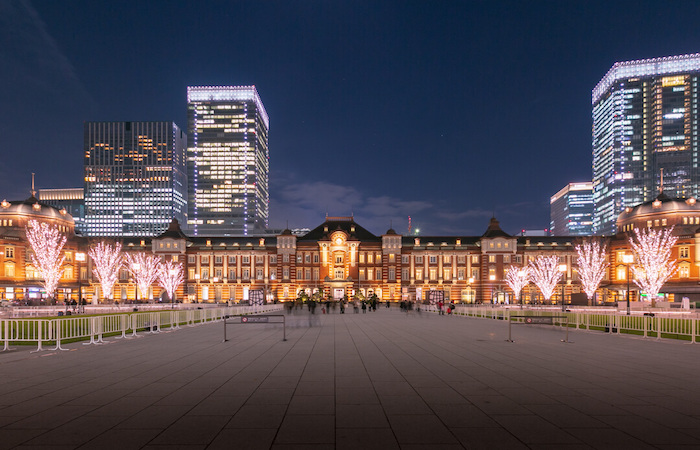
x=55, y=331
x=684, y=326
x=265, y=319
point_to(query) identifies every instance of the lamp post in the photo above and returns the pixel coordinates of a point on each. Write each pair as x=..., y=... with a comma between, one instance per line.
x=562, y=269
x=196, y=288
x=137, y=268
x=80, y=257
x=628, y=259
x=172, y=272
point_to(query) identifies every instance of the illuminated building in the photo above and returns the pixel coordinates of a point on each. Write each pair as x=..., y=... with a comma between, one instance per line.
x=70, y=199
x=135, y=177
x=571, y=210
x=227, y=161
x=645, y=135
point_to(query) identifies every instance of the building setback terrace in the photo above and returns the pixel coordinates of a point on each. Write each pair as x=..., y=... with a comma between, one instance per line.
x=383, y=380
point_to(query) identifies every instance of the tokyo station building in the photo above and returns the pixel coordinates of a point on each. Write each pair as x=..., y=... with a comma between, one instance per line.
x=341, y=258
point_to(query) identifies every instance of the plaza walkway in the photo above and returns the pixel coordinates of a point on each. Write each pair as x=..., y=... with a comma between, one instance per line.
x=380, y=380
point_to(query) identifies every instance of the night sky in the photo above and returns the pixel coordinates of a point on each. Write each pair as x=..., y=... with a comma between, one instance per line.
x=449, y=112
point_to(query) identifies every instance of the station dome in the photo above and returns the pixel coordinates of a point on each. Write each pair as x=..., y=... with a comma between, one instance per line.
x=662, y=212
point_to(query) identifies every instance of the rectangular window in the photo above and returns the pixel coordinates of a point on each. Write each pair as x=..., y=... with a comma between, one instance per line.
x=300, y=274
x=379, y=274
x=205, y=259
x=246, y=260
x=285, y=258
x=447, y=274
x=232, y=274
x=492, y=258
x=461, y=260
x=460, y=274
x=519, y=259
x=392, y=274
x=246, y=274
x=259, y=274
x=419, y=260
x=475, y=259
x=205, y=273
x=391, y=258
x=362, y=275
x=259, y=260
x=684, y=252
x=338, y=259
x=404, y=259
x=684, y=271
x=285, y=273
x=307, y=274
x=232, y=260
x=218, y=273
x=419, y=274
x=433, y=274
x=307, y=258
x=362, y=258
x=475, y=273
x=404, y=274
x=506, y=258
x=370, y=274
x=273, y=259
x=316, y=258
x=446, y=259
x=299, y=258
x=433, y=260
x=370, y=258
x=191, y=259
x=218, y=259
x=316, y=273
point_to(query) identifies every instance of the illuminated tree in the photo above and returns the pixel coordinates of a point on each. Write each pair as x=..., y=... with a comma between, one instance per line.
x=592, y=263
x=144, y=268
x=170, y=276
x=517, y=278
x=545, y=274
x=47, y=257
x=107, y=260
x=652, y=250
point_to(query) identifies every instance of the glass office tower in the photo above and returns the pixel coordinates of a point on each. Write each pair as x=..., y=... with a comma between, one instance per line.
x=135, y=178
x=571, y=210
x=645, y=130
x=227, y=161
x=70, y=199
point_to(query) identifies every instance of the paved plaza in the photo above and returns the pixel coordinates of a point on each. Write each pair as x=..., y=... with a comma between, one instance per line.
x=382, y=380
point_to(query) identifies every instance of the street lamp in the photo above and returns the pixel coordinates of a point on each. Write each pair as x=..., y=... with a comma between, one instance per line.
x=80, y=257
x=137, y=268
x=562, y=269
x=627, y=260
x=196, y=288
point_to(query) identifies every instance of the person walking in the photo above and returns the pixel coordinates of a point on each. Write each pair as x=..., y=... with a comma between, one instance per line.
x=364, y=307
x=439, y=306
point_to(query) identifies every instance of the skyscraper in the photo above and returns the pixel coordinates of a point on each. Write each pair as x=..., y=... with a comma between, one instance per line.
x=70, y=199
x=571, y=210
x=135, y=177
x=227, y=161
x=645, y=119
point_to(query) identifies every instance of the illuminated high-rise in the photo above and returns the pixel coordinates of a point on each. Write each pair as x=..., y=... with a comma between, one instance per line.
x=135, y=178
x=645, y=135
x=227, y=161
x=571, y=210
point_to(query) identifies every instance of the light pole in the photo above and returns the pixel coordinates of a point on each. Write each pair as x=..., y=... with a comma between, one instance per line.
x=196, y=288
x=173, y=274
x=137, y=268
x=628, y=259
x=562, y=269
x=80, y=257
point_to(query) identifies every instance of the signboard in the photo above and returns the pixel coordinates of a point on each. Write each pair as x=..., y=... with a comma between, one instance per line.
x=254, y=319
x=539, y=320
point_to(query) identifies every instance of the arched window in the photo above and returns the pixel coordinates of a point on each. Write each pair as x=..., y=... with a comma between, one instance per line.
x=9, y=269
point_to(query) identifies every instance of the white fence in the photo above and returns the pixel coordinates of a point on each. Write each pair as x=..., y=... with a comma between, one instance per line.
x=678, y=326
x=55, y=331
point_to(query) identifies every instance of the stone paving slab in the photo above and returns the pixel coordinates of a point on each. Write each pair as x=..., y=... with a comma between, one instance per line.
x=381, y=380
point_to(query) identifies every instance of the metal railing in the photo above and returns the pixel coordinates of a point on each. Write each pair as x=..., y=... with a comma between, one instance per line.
x=58, y=330
x=677, y=326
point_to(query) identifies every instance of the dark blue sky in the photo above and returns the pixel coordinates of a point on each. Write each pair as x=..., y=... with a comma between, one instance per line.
x=445, y=111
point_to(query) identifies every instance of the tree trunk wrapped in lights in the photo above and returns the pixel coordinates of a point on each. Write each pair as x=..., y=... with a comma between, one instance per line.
x=545, y=274
x=517, y=278
x=144, y=268
x=652, y=249
x=107, y=260
x=47, y=244
x=592, y=264
x=170, y=276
